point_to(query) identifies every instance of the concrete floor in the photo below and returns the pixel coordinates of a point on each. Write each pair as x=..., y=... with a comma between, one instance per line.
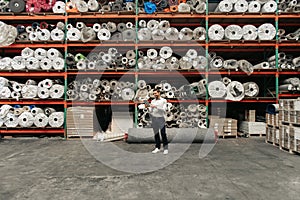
x=234, y=169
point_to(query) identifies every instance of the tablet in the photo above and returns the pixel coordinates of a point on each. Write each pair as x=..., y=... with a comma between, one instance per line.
x=146, y=103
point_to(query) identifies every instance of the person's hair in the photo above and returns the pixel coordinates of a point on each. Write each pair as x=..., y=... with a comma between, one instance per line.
x=156, y=90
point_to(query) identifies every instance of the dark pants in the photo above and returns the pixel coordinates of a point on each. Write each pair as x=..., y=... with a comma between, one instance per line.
x=158, y=124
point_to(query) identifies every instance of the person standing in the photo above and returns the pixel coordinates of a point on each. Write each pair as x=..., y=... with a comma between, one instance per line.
x=157, y=110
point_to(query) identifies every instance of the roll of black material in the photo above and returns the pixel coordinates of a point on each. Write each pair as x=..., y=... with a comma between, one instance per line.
x=272, y=108
x=17, y=6
x=21, y=29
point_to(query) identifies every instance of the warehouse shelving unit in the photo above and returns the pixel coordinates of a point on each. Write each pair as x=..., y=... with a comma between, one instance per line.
x=204, y=20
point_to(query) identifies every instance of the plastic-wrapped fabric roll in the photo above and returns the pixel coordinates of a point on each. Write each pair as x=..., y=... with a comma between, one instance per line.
x=152, y=53
x=226, y=80
x=60, y=26
x=158, y=35
x=53, y=53
x=29, y=91
x=240, y=6
x=33, y=36
x=185, y=63
x=121, y=27
x=80, y=25
x=59, y=7
x=35, y=111
x=41, y=120
x=266, y=31
x=166, y=52
x=4, y=110
x=230, y=64
x=96, y=27
x=47, y=83
x=81, y=65
x=5, y=93
x=44, y=35
x=185, y=34
x=127, y=94
x=142, y=24
x=294, y=81
x=33, y=6
x=57, y=91
x=269, y=7
x=57, y=35
x=23, y=37
x=249, y=32
x=103, y=34
x=245, y=66
x=3, y=82
x=216, y=89
x=251, y=89
x=74, y=34
x=26, y=119
x=263, y=65
x=18, y=111
x=201, y=7
x=93, y=5
x=192, y=53
x=164, y=25
x=216, y=32
x=5, y=63
x=217, y=62
x=58, y=64
x=142, y=84
x=48, y=111
x=11, y=121
x=40, y=53
x=56, y=119
x=296, y=62
x=235, y=91
x=8, y=34
x=200, y=62
x=17, y=6
x=87, y=34
x=32, y=63
x=233, y=32
x=17, y=87
x=27, y=53
x=272, y=109
x=112, y=27
x=254, y=7
x=152, y=24
x=46, y=64
x=18, y=63
x=184, y=8
x=199, y=33
x=144, y=34
x=43, y=93
x=129, y=35
x=82, y=6
x=224, y=6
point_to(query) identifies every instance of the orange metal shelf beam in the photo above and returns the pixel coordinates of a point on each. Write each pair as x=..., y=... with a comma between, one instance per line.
x=290, y=15
x=101, y=16
x=243, y=101
x=36, y=102
x=32, y=74
x=289, y=73
x=32, y=17
x=171, y=15
x=242, y=73
x=171, y=73
x=108, y=103
x=289, y=95
x=186, y=101
x=178, y=43
x=238, y=16
x=100, y=72
x=35, y=45
x=228, y=44
x=289, y=44
x=101, y=44
x=31, y=131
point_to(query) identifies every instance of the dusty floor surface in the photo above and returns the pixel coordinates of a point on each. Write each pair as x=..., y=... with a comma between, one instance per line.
x=235, y=169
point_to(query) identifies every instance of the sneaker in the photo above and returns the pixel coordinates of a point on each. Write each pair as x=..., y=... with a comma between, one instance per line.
x=166, y=151
x=156, y=150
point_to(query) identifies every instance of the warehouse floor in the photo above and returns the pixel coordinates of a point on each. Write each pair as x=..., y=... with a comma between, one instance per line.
x=235, y=169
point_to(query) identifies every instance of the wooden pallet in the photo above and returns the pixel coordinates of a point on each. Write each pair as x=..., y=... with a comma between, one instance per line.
x=289, y=150
x=227, y=136
x=273, y=143
x=257, y=135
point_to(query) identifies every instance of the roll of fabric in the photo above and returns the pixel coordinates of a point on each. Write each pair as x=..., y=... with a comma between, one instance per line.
x=144, y=34
x=217, y=89
x=217, y=62
x=129, y=35
x=53, y=53
x=56, y=119
x=40, y=53
x=47, y=83
x=27, y=53
x=33, y=36
x=199, y=33
x=29, y=91
x=185, y=34
x=96, y=27
x=73, y=34
x=18, y=63
x=57, y=35
x=41, y=120
x=43, y=93
x=5, y=63
x=11, y=121
x=33, y=6
x=93, y=5
x=44, y=35
x=251, y=89
x=231, y=64
x=80, y=25
x=49, y=111
x=269, y=7
x=166, y=52
x=103, y=34
x=254, y=7
x=17, y=6
x=272, y=109
x=127, y=94
x=5, y=93
x=263, y=65
x=17, y=87
x=224, y=6
x=57, y=91
x=32, y=63
x=82, y=6
x=235, y=91
x=216, y=32
x=249, y=32
x=26, y=119
x=240, y=6
x=58, y=63
x=87, y=34
x=245, y=66
x=35, y=111
x=266, y=31
x=233, y=32
x=46, y=64
x=59, y=7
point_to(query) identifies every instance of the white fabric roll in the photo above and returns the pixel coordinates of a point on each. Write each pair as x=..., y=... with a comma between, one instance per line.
x=127, y=94
x=269, y=7
x=29, y=91
x=3, y=82
x=58, y=64
x=200, y=62
x=26, y=119
x=5, y=63
x=166, y=52
x=43, y=93
x=233, y=32
x=5, y=93
x=73, y=34
x=266, y=31
x=53, y=53
x=172, y=34
x=96, y=27
x=32, y=63
x=186, y=34
x=103, y=34
x=254, y=7
x=230, y=64
x=27, y=53
x=217, y=62
x=152, y=24
x=17, y=87
x=251, y=89
x=47, y=83
x=240, y=6
x=57, y=91
x=199, y=33
x=249, y=32
x=56, y=119
x=216, y=89
x=192, y=53
x=11, y=121
x=40, y=53
x=18, y=63
x=81, y=65
x=4, y=110
x=46, y=64
x=33, y=36
x=15, y=95
x=164, y=25
x=93, y=5
x=49, y=111
x=216, y=32
x=35, y=111
x=144, y=34
x=41, y=120
x=82, y=6
x=235, y=91
x=59, y=7
x=224, y=6
x=263, y=65
x=57, y=34
x=44, y=35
